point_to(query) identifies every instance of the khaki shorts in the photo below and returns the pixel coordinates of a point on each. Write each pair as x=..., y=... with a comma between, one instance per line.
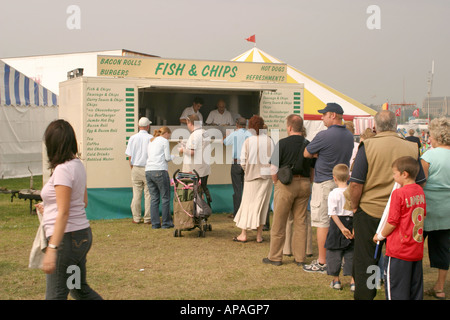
x=319, y=203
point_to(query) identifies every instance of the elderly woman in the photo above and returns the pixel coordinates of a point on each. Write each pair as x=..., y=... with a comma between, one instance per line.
x=436, y=166
x=255, y=160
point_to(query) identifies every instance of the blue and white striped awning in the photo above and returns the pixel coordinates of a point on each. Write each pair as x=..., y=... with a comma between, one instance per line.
x=16, y=89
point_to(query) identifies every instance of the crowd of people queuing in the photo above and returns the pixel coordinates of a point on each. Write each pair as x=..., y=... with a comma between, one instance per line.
x=335, y=186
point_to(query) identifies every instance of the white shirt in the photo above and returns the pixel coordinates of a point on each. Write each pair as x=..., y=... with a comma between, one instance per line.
x=190, y=110
x=336, y=201
x=199, y=142
x=137, y=148
x=220, y=119
x=158, y=154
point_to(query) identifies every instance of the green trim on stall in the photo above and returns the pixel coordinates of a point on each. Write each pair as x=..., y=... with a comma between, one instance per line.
x=114, y=203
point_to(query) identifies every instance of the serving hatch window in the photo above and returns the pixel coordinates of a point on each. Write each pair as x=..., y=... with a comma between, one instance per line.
x=163, y=106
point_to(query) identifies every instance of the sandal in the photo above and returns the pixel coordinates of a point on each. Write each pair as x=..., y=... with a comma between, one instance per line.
x=433, y=293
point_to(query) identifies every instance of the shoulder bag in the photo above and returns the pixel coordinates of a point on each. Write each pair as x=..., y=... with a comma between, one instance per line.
x=285, y=172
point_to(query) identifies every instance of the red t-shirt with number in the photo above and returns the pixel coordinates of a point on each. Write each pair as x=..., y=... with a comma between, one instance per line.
x=407, y=212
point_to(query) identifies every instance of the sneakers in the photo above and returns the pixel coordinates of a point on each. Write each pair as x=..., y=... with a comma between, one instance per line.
x=315, y=266
x=352, y=287
x=336, y=285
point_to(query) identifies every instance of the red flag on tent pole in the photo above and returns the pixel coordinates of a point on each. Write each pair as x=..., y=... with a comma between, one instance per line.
x=385, y=106
x=416, y=113
x=251, y=39
x=398, y=112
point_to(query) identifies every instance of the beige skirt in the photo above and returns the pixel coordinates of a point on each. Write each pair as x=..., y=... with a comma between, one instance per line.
x=255, y=204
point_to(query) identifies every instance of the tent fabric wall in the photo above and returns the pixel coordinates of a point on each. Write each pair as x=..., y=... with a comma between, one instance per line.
x=26, y=108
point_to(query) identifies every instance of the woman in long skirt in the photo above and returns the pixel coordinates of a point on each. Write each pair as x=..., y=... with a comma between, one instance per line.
x=255, y=160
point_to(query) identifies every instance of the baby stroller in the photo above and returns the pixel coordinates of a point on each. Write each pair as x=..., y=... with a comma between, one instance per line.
x=190, y=210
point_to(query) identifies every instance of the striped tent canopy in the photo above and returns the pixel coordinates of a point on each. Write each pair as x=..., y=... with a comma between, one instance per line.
x=316, y=94
x=16, y=89
x=26, y=109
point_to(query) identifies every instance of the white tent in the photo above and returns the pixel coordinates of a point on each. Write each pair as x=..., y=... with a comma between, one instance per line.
x=316, y=94
x=26, y=108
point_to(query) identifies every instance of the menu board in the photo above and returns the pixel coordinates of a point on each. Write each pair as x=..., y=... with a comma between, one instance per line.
x=277, y=105
x=109, y=122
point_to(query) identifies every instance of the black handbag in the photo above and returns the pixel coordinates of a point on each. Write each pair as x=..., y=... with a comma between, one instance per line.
x=285, y=172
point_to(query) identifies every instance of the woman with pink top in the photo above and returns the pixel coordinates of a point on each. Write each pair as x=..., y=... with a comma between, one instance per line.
x=66, y=226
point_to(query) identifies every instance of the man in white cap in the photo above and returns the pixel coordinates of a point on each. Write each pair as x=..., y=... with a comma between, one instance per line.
x=137, y=155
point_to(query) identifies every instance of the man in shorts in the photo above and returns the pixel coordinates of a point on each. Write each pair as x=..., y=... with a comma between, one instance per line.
x=331, y=147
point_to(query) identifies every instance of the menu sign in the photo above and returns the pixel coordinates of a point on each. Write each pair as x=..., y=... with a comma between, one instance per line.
x=156, y=68
x=276, y=106
x=110, y=114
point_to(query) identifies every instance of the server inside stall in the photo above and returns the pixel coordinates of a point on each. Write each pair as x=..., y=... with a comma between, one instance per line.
x=169, y=106
x=194, y=109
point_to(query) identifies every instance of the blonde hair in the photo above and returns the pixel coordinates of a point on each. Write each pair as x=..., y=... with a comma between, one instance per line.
x=160, y=132
x=368, y=133
x=350, y=126
x=439, y=129
x=192, y=118
x=341, y=172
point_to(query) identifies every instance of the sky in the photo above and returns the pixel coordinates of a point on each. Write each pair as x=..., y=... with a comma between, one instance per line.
x=371, y=55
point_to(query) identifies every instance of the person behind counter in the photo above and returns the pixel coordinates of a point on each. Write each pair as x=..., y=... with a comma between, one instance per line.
x=194, y=109
x=221, y=116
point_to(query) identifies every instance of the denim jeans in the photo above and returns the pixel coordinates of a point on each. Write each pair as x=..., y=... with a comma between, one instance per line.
x=71, y=256
x=158, y=182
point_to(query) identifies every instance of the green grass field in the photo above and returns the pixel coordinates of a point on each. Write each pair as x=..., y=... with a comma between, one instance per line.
x=134, y=262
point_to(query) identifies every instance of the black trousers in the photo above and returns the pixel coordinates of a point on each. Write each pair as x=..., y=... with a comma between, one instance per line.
x=204, y=186
x=237, y=180
x=404, y=279
x=365, y=267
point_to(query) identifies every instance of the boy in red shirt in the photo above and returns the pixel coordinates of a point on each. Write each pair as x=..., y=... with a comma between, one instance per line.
x=404, y=234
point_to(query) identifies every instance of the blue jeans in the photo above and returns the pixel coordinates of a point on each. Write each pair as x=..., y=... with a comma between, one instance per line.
x=70, y=273
x=158, y=182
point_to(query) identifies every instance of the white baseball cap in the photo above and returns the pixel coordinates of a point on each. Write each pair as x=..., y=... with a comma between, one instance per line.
x=143, y=122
